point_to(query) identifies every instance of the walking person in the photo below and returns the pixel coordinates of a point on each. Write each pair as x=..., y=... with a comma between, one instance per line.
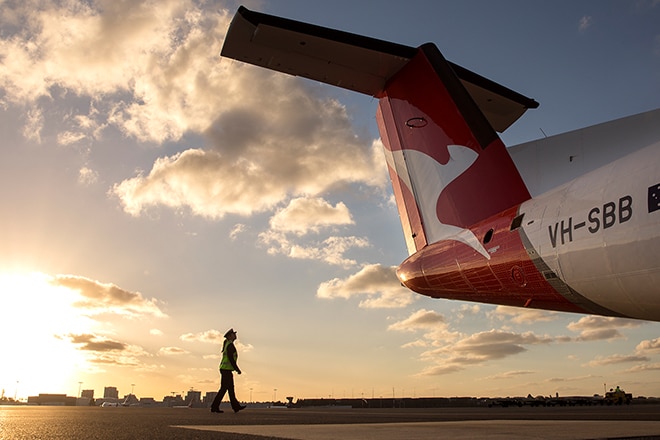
x=227, y=367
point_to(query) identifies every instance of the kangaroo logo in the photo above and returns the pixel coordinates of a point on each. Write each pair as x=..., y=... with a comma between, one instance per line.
x=427, y=179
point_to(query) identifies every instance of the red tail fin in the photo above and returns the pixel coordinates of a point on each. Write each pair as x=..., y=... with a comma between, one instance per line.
x=448, y=167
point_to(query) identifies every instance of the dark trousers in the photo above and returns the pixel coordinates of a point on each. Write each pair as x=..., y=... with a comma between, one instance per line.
x=226, y=386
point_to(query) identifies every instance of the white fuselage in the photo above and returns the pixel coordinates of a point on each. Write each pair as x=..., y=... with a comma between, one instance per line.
x=600, y=232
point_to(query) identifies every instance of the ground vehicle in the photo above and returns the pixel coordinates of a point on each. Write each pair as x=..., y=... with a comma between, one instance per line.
x=617, y=397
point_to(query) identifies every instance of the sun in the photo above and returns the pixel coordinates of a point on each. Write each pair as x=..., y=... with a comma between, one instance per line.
x=36, y=317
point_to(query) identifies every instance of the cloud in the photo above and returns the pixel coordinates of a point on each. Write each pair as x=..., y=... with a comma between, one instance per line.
x=237, y=230
x=209, y=336
x=102, y=350
x=87, y=176
x=509, y=375
x=617, y=359
x=643, y=367
x=212, y=183
x=420, y=320
x=649, y=346
x=595, y=328
x=98, y=298
x=153, y=72
x=585, y=23
x=467, y=310
x=450, y=351
x=555, y=380
x=518, y=315
x=378, y=283
x=331, y=250
x=496, y=344
x=439, y=370
x=172, y=351
x=89, y=342
x=641, y=354
x=433, y=325
x=146, y=60
x=303, y=215
x=243, y=348
x=34, y=121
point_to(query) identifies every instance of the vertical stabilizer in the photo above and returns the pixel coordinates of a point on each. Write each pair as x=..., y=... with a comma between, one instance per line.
x=449, y=168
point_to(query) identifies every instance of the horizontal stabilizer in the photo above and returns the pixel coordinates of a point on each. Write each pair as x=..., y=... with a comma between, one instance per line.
x=351, y=61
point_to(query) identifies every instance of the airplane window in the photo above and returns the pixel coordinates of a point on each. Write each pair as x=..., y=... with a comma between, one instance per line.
x=488, y=236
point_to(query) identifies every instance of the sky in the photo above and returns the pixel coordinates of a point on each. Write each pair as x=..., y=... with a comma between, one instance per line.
x=155, y=195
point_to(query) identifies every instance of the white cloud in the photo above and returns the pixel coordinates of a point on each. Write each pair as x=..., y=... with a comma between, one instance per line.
x=617, y=359
x=104, y=351
x=331, y=250
x=209, y=336
x=152, y=71
x=85, y=49
x=237, y=230
x=649, y=346
x=594, y=328
x=448, y=351
x=420, y=320
x=172, y=351
x=643, y=367
x=87, y=176
x=519, y=315
x=213, y=183
x=100, y=298
x=378, y=283
x=303, y=215
x=642, y=354
x=495, y=344
x=34, y=121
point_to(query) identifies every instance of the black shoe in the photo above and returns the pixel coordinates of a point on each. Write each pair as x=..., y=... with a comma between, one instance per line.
x=214, y=410
x=240, y=408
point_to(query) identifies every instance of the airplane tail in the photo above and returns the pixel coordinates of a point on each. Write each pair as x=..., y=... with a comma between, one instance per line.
x=449, y=168
x=437, y=120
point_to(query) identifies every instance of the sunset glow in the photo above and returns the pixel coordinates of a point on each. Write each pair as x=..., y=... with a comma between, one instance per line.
x=155, y=195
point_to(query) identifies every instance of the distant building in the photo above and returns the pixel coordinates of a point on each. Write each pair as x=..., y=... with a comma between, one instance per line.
x=84, y=401
x=87, y=393
x=148, y=401
x=194, y=398
x=110, y=393
x=173, y=400
x=130, y=399
x=52, y=400
x=208, y=398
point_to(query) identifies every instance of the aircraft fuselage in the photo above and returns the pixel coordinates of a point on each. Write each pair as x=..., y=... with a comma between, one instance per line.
x=589, y=246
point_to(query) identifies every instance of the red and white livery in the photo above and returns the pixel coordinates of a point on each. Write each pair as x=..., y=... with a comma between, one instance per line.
x=588, y=241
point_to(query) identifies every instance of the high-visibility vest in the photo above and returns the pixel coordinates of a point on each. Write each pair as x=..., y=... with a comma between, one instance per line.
x=225, y=364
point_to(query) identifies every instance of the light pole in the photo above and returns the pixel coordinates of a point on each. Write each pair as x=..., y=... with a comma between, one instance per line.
x=79, y=387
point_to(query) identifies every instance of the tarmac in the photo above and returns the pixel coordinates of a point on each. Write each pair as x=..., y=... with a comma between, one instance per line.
x=455, y=423
x=622, y=422
x=482, y=429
